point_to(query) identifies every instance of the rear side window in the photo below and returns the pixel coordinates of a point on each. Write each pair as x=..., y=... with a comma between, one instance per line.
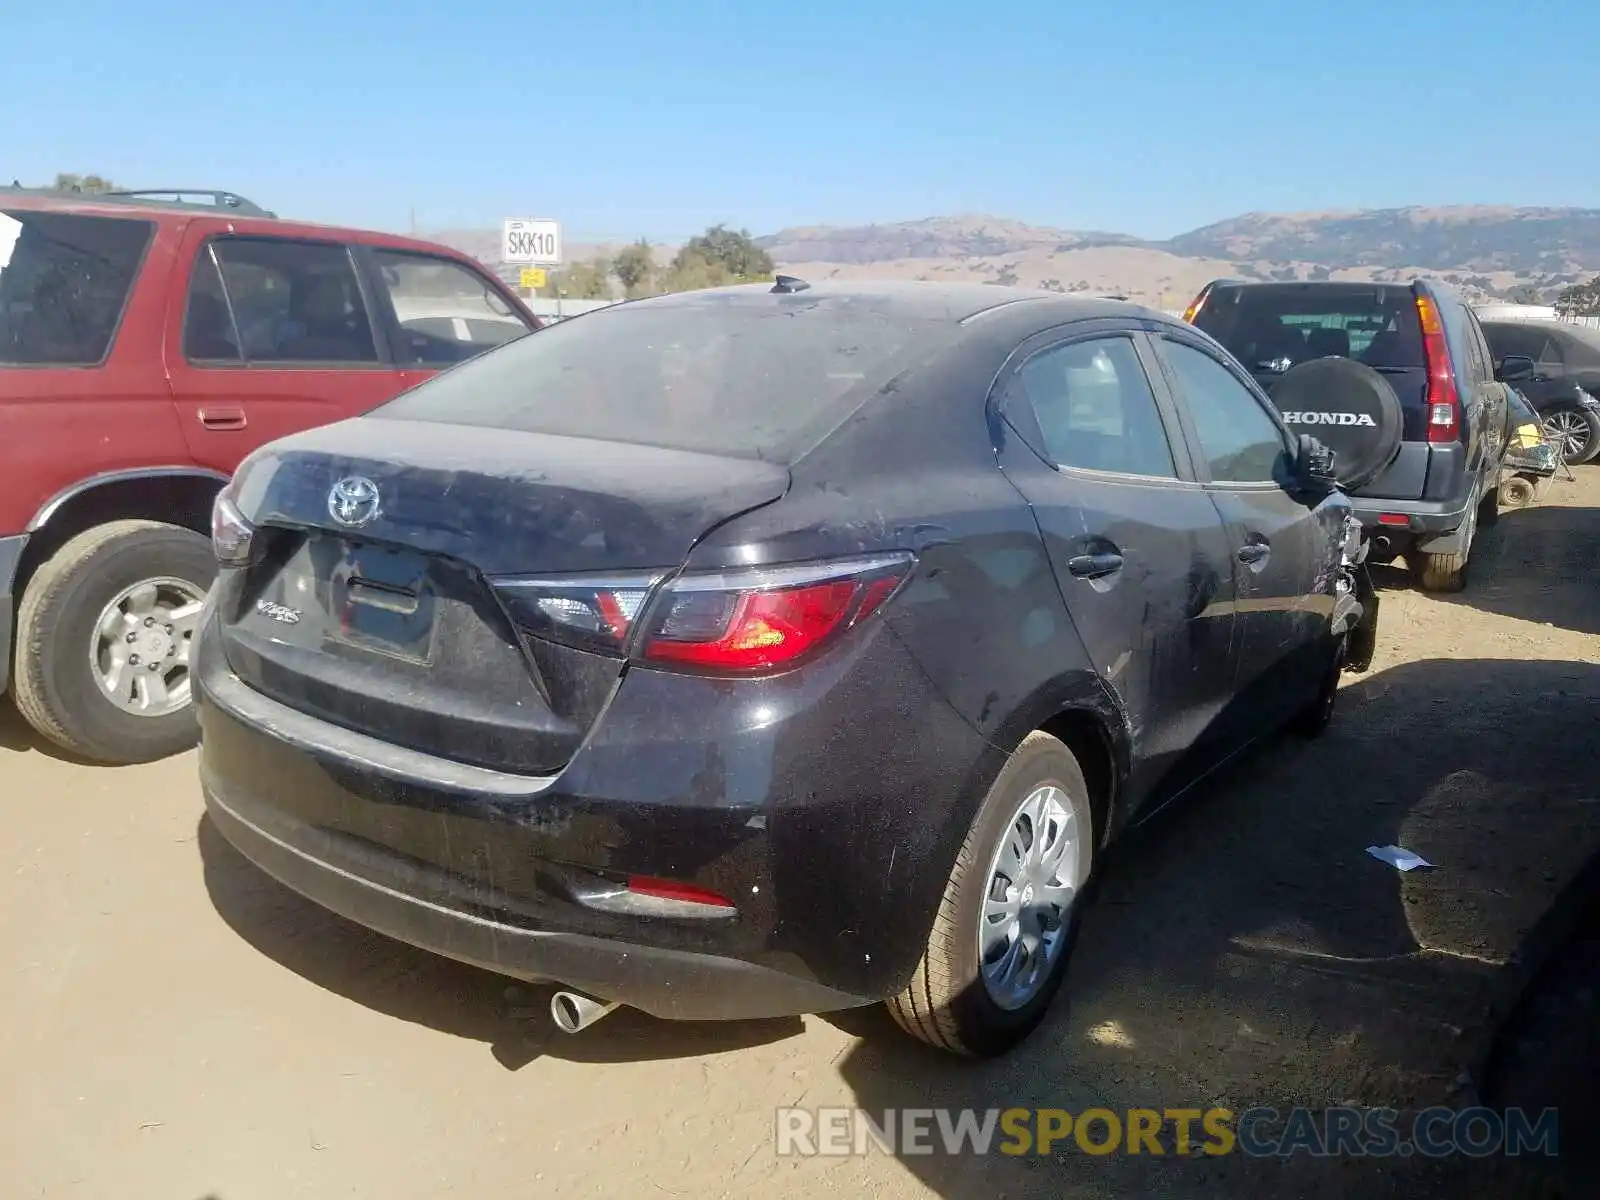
x=447, y=312
x=1095, y=408
x=65, y=279
x=291, y=303
x=716, y=373
x=1274, y=327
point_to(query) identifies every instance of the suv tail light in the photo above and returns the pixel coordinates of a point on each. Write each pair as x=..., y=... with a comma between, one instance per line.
x=231, y=534
x=1199, y=302
x=1444, y=401
x=766, y=617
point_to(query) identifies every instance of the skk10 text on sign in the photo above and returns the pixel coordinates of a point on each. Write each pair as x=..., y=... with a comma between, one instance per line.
x=534, y=242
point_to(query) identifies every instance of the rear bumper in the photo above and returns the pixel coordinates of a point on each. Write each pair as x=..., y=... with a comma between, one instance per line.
x=826, y=805
x=1421, y=516
x=673, y=984
x=11, y=549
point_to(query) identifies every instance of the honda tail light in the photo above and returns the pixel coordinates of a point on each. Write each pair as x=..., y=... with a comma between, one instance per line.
x=764, y=618
x=589, y=612
x=231, y=534
x=1444, y=401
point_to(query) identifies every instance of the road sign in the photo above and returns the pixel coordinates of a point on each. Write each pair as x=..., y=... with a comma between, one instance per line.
x=532, y=241
x=532, y=277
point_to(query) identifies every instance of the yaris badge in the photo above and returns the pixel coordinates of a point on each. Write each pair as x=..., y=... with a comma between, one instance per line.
x=353, y=501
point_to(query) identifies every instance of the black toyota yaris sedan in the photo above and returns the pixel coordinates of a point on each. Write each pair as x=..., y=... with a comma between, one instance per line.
x=772, y=649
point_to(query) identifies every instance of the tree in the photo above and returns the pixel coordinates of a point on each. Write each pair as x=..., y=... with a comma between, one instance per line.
x=581, y=281
x=1580, y=300
x=635, y=268
x=1527, y=294
x=691, y=272
x=733, y=251
x=83, y=183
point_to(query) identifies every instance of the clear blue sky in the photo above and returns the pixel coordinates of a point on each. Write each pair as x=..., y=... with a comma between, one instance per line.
x=658, y=119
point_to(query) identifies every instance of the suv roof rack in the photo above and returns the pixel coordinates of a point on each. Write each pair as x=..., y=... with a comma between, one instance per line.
x=211, y=199
x=206, y=199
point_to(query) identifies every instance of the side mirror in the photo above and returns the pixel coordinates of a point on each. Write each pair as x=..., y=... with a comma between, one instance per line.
x=1514, y=368
x=1314, y=465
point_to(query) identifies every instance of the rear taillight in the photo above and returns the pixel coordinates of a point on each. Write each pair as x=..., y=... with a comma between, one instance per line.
x=748, y=620
x=1444, y=401
x=589, y=612
x=231, y=534
x=764, y=618
x=1199, y=302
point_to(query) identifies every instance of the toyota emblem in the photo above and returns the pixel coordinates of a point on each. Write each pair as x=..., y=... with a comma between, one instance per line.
x=353, y=501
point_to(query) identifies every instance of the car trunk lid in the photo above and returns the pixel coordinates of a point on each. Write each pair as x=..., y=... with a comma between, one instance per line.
x=377, y=597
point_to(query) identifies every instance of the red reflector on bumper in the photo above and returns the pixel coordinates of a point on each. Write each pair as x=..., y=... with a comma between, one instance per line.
x=672, y=889
x=1394, y=519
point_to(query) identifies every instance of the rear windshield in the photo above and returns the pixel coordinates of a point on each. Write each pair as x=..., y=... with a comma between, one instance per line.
x=1272, y=328
x=64, y=281
x=721, y=373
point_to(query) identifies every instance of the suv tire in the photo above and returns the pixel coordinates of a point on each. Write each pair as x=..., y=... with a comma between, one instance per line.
x=948, y=1002
x=55, y=685
x=1442, y=572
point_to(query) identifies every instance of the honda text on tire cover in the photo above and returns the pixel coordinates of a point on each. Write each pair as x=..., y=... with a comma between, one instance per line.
x=770, y=650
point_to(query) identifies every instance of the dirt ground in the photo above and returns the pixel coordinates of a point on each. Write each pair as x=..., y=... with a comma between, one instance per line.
x=175, y=1026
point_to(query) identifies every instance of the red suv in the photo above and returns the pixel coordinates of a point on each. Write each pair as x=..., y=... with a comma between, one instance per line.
x=148, y=342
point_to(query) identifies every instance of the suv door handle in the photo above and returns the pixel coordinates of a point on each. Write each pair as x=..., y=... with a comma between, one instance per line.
x=223, y=418
x=1253, y=552
x=1094, y=566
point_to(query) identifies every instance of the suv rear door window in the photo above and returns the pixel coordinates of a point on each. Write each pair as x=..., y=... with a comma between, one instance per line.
x=65, y=279
x=1273, y=327
x=295, y=303
x=447, y=312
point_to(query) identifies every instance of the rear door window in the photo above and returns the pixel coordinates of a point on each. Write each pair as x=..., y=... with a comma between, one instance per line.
x=1273, y=327
x=65, y=279
x=1095, y=408
x=294, y=303
x=446, y=312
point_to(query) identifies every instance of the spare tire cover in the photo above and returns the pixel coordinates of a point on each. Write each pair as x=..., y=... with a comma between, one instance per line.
x=1348, y=407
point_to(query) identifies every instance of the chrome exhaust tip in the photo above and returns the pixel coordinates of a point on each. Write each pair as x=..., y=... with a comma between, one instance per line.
x=573, y=1012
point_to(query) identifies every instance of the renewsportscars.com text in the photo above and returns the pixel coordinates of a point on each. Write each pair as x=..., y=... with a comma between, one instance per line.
x=1256, y=1132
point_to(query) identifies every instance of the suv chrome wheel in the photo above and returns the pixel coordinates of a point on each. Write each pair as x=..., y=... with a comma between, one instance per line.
x=139, y=650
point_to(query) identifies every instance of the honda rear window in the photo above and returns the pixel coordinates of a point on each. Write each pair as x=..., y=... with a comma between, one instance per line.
x=749, y=376
x=1271, y=328
x=64, y=280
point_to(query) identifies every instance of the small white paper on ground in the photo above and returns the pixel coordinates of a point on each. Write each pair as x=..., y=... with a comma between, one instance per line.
x=1401, y=860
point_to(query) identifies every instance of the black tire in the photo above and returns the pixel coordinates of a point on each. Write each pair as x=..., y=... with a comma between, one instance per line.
x=1442, y=572
x=1446, y=572
x=1350, y=408
x=1314, y=719
x=1516, y=492
x=1589, y=418
x=946, y=1004
x=54, y=685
